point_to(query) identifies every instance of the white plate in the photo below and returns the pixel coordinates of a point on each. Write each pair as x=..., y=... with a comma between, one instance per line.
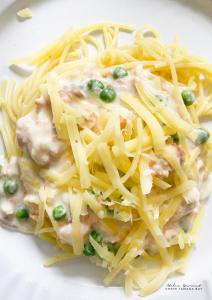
x=22, y=275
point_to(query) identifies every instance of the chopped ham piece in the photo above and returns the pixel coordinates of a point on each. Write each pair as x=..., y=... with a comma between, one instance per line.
x=160, y=168
x=36, y=133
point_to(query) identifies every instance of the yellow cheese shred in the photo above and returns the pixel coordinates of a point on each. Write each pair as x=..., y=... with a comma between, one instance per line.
x=77, y=234
x=78, y=152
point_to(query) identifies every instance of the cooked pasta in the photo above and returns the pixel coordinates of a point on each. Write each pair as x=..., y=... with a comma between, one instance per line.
x=105, y=154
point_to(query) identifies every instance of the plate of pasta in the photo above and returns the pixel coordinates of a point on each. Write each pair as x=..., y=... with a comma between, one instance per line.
x=106, y=157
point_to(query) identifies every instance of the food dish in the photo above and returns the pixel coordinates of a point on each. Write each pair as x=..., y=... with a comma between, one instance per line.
x=117, y=151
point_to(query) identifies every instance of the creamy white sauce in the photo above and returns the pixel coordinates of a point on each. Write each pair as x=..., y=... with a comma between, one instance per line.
x=74, y=91
x=62, y=199
x=89, y=107
x=192, y=195
x=10, y=203
x=65, y=232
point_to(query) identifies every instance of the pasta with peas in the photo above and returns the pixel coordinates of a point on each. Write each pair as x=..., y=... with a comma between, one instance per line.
x=105, y=152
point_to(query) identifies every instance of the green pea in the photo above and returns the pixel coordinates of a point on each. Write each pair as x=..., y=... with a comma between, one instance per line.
x=107, y=95
x=96, y=236
x=188, y=97
x=202, y=136
x=10, y=186
x=119, y=72
x=89, y=250
x=59, y=212
x=175, y=138
x=91, y=191
x=95, y=85
x=112, y=247
x=22, y=213
x=160, y=98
